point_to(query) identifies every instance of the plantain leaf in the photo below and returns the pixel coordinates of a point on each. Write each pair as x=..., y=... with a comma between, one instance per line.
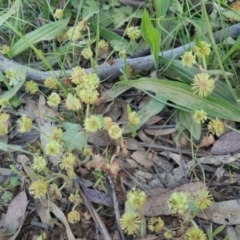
x=44, y=33
x=181, y=94
x=151, y=36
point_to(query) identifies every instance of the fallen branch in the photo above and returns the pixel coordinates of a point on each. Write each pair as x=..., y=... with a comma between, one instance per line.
x=110, y=72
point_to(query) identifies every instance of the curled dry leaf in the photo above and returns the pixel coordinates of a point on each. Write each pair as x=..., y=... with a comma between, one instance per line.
x=16, y=212
x=207, y=141
x=143, y=158
x=97, y=162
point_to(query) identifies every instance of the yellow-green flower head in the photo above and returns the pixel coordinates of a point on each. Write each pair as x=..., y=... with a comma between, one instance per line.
x=10, y=73
x=56, y=134
x=38, y=188
x=74, y=33
x=178, y=202
x=52, y=148
x=73, y=103
x=103, y=45
x=51, y=82
x=133, y=32
x=107, y=122
x=70, y=173
x=75, y=199
x=31, y=87
x=5, y=49
x=136, y=198
x=122, y=54
x=4, y=123
x=54, y=99
x=202, y=85
x=39, y=163
x=87, y=152
x=130, y=223
x=87, y=53
x=168, y=235
x=88, y=96
x=78, y=74
x=83, y=25
x=115, y=131
x=133, y=118
x=93, y=123
x=67, y=162
x=4, y=102
x=58, y=14
x=155, y=224
x=203, y=49
x=74, y=216
x=194, y=233
x=188, y=59
x=216, y=127
x=200, y=116
x=24, y=124
x=92, y=81
x=202, y=199
x=54, y=192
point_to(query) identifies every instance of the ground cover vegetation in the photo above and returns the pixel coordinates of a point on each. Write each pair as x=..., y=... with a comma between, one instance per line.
x=119, y=119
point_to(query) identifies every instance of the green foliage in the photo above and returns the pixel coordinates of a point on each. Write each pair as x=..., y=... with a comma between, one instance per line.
x=151, y=36
x=73, y=137
x=7, y=196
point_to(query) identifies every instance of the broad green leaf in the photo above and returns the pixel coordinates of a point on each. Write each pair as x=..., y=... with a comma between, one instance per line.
x=186, y=119
x=90, y=8
x=73, y=137
x=234, y=15
x=121, y=15
x=152, y=108
x=161, y=7
x=181, y=94
x=44, y=33
x=10, y=93
x=14, y=8
x=151, y=36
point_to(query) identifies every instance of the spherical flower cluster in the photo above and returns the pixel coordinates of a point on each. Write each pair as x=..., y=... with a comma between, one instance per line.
x=54, y=99
x=74, y=33
x=73, y=103
x=4, y=49
x=75, y=199
x=4, y=123
x=194, y=233
x=115, y=131
x=168, y=235
x=87, y=53
x=88, y=96
x=216, y=127
x=4, y=102
x=83, y=25
x=202, y=49
x=103, y=45
x=31, y=87
x=38, y=188
x=188, y=59
x=24, y=124
x=10, y=73
x=130, y=222
x=51, y=82
x=202, y=199
x=52, y=148
x=203, y=85
x=136, y=198
x=133, y=118
x=155, y=224
x=178, y=203
x=39, y=163
x=58, y=14
x=107, y=122
x=78, y=74
x=67, y=161
x=122, y=54
x=56, y=134
x=133, y=32
x=200, y=116
x=73, y=216
x=93, y=123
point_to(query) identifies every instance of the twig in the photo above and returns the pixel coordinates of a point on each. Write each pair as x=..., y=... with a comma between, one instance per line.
x=111, y=72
